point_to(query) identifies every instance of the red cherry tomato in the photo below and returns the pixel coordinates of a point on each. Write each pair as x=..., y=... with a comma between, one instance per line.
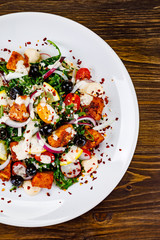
x=19, y=168
x=51, y=155
x=83, y=73
x=73, y=98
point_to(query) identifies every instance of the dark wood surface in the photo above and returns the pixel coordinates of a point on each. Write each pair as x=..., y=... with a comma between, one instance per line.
x=132, y=210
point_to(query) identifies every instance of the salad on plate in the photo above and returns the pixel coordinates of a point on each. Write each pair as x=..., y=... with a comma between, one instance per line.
x=50, y=112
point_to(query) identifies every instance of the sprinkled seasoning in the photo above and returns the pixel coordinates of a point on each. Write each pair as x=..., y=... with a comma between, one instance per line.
x=116, y=118
x=9, y=201
x=79, y=62
x=48, y=194
x=2, y=198
x=91, y=188
x=102, y=81
x=73, y=57
x=19, y=195
x=120, y=149
x=109, y=159
x=1, y=211
x=70, y=193
x=70, y=50
x=44, y=39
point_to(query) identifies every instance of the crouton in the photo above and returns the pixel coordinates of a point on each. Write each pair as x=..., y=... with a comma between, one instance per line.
x=43, y=180
x=5, y=174
x=13, y=154
x=61, y=136
x=18, y=112
x=14, y=58
x=95, y=108
x=95, y=136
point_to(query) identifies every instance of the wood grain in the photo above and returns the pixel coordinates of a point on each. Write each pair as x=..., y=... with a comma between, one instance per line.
x=132, y=210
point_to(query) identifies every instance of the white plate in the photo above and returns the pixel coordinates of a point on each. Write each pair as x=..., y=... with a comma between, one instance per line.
x=62, y=206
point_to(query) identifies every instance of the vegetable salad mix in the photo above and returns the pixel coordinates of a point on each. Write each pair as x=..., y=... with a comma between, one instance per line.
x=49, y=120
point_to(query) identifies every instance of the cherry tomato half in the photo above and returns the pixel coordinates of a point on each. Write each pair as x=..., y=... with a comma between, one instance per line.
x=83, y=73
x=73, y=98
x=38, y=157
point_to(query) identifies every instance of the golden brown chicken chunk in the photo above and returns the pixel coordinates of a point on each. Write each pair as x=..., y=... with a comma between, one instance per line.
x=43, y=180
x=18, y=112
x=5, y=174
x=14, y=58
x=61, y=136
x=95, y=108
x=95, y=138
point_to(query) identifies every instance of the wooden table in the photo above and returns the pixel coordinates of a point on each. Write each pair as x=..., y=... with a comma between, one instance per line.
x=132, y=210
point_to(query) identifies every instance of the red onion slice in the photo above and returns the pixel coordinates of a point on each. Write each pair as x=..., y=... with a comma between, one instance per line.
x=33, y=96
x=45, y=56
x=57, y=65
x=47, y=146
x=5, y=81
x=15, y=124
x=5, y=164
x=88, y=118
x=61, y=74
x=71, y=170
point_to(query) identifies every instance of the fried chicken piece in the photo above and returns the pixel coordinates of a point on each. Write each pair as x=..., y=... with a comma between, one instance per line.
x=61, y=136
x=43, y=180
x=18, y=112
x=95, y=136
x=5, y=174
x=95, y=108
x=14, y=58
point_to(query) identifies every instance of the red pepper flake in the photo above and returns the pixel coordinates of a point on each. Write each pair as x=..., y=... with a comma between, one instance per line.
x=44, y=39
x=101, y=154
x=116, y=119
x=104, y=162
x=79, y=62
x=9, y=201
x=91, y=188
x=3, y=184
x=73, y=57
x=120, y=149
x=9, y=40
x=99, y=161
x=28, y=131
x=28, y=187
x=48, y=194
x=70, y=50
x=25, y=44
x=107, y=146
x=1, y=210
x=70, y=193
x=19, y=195
x=2, y=198
x=109, y=159
x=36, y=44
x=86, y=182
x=42, y=44
x=28, y=43
x=112, y=145
x=94, y=178
x=106, y=100
x=102, y=81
